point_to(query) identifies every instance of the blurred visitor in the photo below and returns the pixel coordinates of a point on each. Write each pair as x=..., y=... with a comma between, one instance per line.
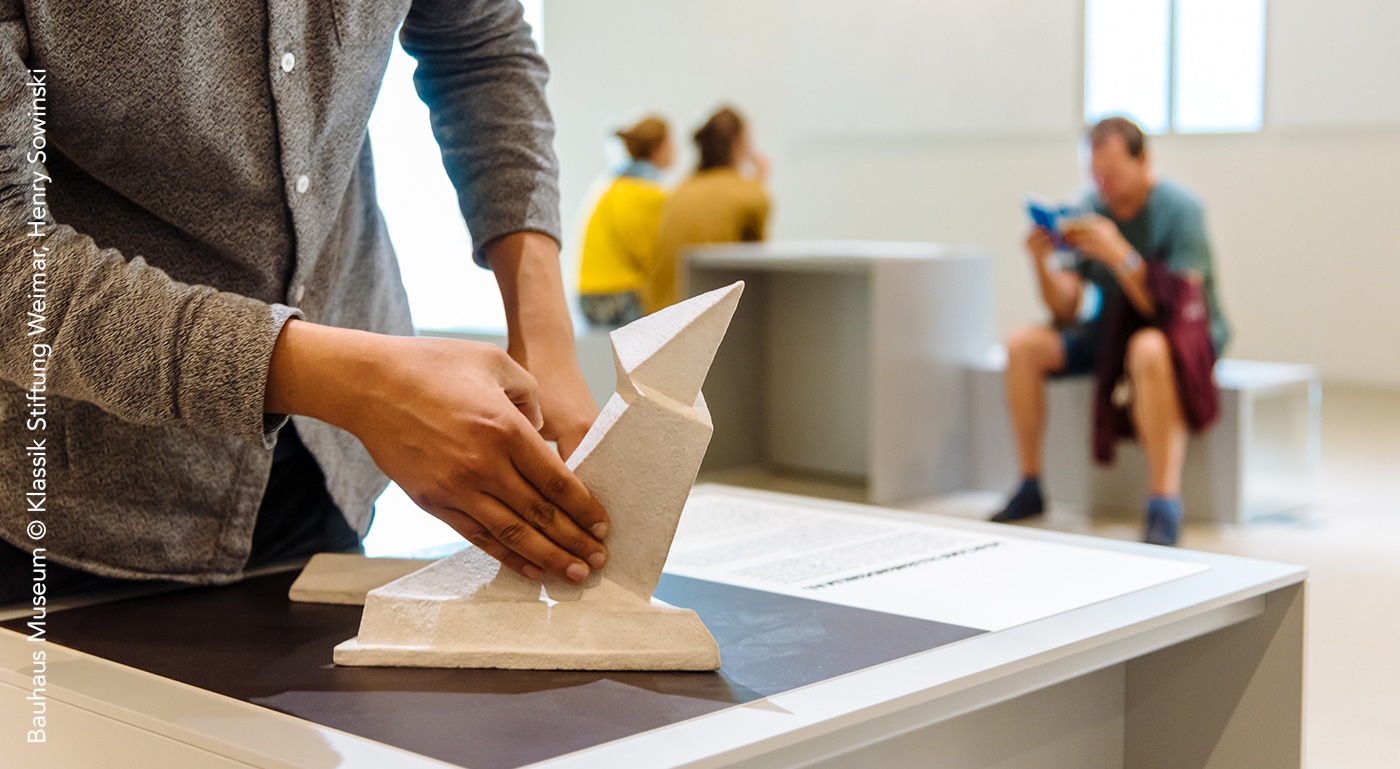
x=725, y=201
x=619, y=243
x=1150, y=339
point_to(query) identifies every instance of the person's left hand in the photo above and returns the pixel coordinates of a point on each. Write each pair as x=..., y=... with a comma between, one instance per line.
x=565, y=402
x=1097, y=238
x=526, y=265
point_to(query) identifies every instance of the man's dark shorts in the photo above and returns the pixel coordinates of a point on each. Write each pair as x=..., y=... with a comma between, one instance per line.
x=1081, y=349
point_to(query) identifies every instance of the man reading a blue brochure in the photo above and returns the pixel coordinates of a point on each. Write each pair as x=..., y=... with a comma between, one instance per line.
x=1090, y=262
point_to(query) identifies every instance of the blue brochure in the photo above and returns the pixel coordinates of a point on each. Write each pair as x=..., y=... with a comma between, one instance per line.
x=1052, y=219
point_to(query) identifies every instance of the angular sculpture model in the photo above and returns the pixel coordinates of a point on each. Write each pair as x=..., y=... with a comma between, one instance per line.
x=639, y=460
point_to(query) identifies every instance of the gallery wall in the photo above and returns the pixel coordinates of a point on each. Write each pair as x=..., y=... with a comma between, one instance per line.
x=934, y=119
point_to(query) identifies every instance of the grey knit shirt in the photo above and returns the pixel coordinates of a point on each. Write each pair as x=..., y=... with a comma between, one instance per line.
x=198, y=186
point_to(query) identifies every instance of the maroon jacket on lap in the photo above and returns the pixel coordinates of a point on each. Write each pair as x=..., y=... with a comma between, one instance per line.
x=1183, y=317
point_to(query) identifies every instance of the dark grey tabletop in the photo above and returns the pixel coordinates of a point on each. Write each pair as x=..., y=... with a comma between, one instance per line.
x=248, y=641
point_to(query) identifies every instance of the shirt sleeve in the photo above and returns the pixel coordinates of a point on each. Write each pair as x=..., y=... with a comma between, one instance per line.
x=484, y=83
x=1190, y=247
x=123, y=335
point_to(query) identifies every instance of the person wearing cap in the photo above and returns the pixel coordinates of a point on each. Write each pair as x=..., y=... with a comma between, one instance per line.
x=619, y=242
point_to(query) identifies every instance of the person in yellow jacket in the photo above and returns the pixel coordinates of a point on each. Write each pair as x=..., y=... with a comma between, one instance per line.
x=619, y=243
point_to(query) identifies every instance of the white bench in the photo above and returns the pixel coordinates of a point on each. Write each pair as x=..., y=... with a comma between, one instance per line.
x=1261, y=458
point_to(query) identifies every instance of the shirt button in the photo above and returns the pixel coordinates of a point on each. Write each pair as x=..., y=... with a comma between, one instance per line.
x=288, y=61
x=303, y=183
x=298, y=293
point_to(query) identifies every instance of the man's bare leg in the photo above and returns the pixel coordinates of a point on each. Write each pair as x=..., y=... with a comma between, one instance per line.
x=1157, y=414
x=1161, y=427
x=1033, y=354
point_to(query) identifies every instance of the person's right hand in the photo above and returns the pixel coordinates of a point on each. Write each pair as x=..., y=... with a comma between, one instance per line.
x=1040, y=244
x=455, y=424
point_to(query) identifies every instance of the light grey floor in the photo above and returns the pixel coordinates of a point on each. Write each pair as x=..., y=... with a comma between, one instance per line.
x=1350, y=541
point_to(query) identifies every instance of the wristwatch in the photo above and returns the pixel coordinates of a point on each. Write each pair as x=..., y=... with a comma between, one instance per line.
x=1131, y=262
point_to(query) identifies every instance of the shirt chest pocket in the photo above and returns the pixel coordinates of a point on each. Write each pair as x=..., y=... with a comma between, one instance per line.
x=359, y=22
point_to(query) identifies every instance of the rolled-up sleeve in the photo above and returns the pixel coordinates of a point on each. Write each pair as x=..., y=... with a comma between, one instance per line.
x=484, y=83
x=125, y=336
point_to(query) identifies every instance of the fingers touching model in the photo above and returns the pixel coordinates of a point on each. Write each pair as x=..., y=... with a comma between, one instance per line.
x=456, y=425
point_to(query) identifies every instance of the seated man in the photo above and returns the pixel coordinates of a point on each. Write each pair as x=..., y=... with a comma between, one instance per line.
x=1137, y=219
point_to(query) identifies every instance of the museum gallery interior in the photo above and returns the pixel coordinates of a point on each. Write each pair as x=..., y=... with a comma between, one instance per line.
x=746, y=383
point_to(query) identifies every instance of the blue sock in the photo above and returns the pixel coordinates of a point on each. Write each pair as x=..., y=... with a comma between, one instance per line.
x=1163, y=520
x=1170, y=506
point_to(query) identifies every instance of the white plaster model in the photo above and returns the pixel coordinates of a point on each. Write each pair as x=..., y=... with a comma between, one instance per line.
x=346, y=578
x=639, y=460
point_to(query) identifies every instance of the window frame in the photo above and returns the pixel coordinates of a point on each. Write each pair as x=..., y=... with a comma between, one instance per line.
x=1171, y=82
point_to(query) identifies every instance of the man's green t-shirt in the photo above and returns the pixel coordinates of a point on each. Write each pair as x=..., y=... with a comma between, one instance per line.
x=1170, y=229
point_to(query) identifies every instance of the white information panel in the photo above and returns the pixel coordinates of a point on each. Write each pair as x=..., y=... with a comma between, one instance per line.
x=900, y=565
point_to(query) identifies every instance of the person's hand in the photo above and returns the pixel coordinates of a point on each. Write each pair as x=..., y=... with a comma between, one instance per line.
x=455, y=424
x=526, y=265
x=1097, y=238
x=761, y=165
x=566, y=405
x=1040, y=244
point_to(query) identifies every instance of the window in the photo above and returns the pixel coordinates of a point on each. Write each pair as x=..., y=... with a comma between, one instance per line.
x=534, y=16
x=1191, y=66
x=445, y=289
x=1126, y=61
x=1219, y=83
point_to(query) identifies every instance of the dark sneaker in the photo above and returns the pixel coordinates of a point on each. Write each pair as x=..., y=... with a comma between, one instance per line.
x=1163, y=521
x=1027, y=502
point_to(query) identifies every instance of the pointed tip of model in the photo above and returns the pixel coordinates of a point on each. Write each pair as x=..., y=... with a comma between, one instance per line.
x=671, y=350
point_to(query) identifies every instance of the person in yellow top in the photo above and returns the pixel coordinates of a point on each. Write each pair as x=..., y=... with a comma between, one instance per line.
x=718, y=204
x=619, y=243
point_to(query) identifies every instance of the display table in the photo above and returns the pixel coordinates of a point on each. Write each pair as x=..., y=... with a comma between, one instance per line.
x=848, y=359
x=887, y=639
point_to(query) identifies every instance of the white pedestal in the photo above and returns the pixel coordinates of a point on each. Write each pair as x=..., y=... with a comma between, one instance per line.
x=846, y=359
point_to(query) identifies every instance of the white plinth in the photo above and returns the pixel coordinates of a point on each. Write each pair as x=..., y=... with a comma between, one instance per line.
x=846, y=359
